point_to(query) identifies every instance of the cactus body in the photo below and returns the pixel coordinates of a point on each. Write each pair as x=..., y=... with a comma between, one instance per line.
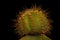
x=32, y=21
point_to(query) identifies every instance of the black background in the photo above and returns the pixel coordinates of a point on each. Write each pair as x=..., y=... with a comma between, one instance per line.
x=11, y=9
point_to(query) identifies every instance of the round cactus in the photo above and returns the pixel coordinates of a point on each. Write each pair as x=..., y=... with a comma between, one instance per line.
x=32, y=21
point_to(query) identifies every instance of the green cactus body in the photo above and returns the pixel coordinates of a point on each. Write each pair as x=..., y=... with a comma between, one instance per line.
x=32, y=21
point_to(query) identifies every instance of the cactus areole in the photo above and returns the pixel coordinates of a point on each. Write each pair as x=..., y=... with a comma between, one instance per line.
x=32, y=21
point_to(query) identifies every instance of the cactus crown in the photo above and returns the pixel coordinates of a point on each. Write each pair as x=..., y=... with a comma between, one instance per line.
x=32, y=21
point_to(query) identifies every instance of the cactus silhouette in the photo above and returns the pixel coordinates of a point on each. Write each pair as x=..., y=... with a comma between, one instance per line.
x=34, y=22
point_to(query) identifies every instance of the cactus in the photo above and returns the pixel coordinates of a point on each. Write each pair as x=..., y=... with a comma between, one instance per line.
x=32, y=21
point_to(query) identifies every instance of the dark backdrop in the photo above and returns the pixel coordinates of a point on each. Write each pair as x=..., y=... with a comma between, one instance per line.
x=11, y=9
